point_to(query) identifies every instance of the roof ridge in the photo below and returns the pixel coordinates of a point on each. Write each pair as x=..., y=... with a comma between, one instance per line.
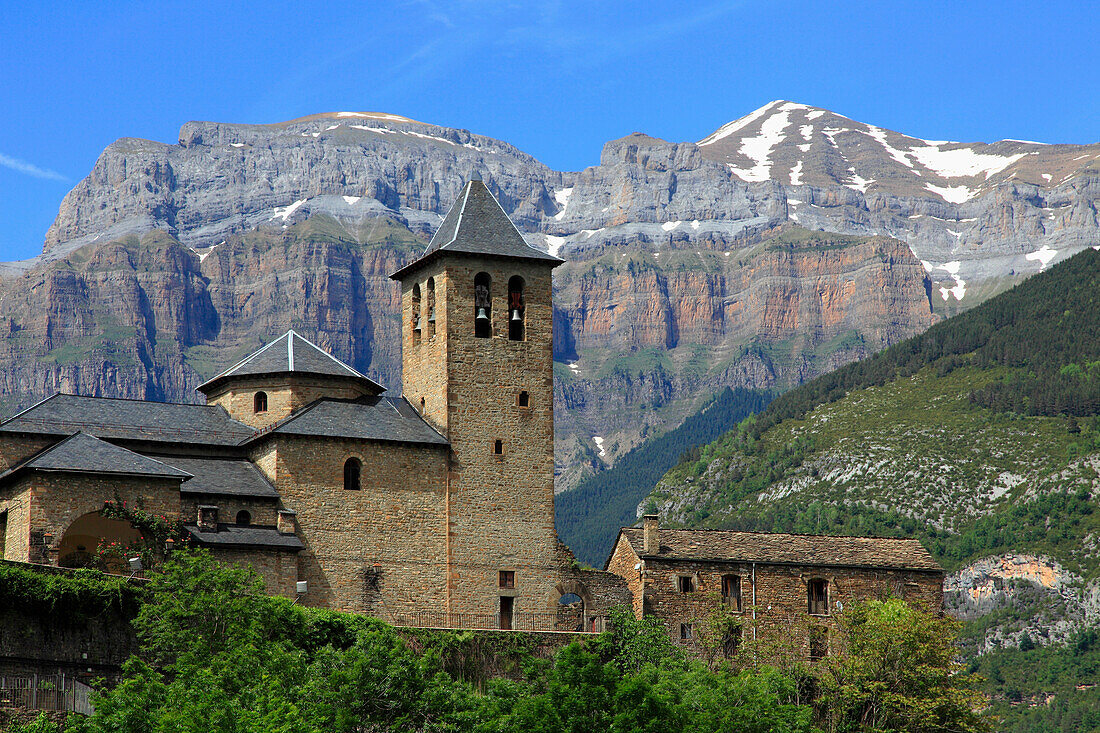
x=775, y=534
x=251, y=356
x=349, y=367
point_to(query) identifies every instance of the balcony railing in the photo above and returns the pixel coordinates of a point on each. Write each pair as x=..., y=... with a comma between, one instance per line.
x=520, y=621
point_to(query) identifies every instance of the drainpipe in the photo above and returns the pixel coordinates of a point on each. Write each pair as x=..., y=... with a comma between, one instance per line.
x=754, y=601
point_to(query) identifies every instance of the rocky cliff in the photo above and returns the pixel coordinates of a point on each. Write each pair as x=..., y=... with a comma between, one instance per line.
x=687, y=269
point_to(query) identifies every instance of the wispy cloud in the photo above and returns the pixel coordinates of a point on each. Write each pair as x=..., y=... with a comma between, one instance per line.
x=30, y=169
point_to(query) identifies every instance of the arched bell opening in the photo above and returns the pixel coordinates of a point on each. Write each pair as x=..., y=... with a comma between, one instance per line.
x=516, y=311
x=483, y=305
x=414, y=318
x=431, y=307
x=85, y=537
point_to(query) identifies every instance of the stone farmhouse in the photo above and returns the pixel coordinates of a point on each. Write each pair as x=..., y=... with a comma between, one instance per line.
x=432, y=508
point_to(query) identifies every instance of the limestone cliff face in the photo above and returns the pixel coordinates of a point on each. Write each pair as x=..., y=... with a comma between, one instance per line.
x=685, y=268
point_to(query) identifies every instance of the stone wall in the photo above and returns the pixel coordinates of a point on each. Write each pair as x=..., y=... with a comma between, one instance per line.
x=263, y=512
x=278, y=568
x=285, y=395
x=44, y=504
x=380, y=550
x=17, y=448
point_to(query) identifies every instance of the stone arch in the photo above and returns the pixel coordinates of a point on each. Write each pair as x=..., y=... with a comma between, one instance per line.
x=87, y=532
x=574, y=587
x=570, y=617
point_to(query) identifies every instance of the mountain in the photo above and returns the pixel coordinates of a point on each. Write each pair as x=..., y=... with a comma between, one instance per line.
x=981, y=436
x=684, y=275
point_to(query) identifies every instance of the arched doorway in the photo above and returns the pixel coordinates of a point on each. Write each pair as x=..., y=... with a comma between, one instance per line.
x=574, y=603
x=83, y=537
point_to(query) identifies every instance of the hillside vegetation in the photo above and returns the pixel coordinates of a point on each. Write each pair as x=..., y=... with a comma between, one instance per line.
x=982, y=438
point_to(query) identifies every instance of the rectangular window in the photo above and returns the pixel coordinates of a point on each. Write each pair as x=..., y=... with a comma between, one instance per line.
x=731, y=592
x=685, y=632
x=686, y=583
x=498, y=448
x=818, y=596
x=507, y=578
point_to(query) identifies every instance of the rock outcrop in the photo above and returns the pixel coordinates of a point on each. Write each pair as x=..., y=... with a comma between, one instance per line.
x=686, y=267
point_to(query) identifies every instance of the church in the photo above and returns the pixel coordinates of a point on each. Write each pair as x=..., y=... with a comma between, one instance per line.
x=432, y=508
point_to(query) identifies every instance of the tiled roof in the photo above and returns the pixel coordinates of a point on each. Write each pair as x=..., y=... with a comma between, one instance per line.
x=84, y=453
x=117, y=419
x=294, y=354
x=372, y=418
x=223, y=477
x=476, y=224
x=798, y=549
x=249, y=535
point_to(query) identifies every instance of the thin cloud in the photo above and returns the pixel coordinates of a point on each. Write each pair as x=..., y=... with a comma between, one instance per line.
x=30, y=169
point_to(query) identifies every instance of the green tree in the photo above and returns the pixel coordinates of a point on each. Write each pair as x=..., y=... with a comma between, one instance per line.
x=896, y=671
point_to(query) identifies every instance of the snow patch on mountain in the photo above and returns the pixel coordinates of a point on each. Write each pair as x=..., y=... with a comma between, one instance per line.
x=952, y=194
x=739, y=124
x=759, y=148
x=1043, y=256
x=961, y=162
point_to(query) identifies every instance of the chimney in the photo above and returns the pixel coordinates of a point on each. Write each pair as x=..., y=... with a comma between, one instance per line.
x=208, y=518
x=651, y=538
x=285, y=523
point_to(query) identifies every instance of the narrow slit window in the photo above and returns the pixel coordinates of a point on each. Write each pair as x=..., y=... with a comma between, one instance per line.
x=352, y=470
x=259, y=402
x=516, y=309
x=417, y=324
x=498, y=447
x=483, y=305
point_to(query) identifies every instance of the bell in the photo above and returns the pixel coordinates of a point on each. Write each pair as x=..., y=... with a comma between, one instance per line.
x=431, y=317
x=481, y=314
x=515, y=315
x=416, y=326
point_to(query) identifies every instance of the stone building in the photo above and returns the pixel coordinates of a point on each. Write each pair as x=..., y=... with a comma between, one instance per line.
x=432, y=508
x=785, y=589
x=435, y=508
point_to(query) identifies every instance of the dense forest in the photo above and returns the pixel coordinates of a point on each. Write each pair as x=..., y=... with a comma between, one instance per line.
x=589, y=516
x=217, y=654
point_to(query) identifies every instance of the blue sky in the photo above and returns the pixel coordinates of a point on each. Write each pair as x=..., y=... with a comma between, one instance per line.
x=555, y=79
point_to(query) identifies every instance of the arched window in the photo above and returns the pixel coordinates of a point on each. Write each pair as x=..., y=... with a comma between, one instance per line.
x=516, y=310
x=483, y=305
x=415, y=316
x=431, y=307
x=259, y=402
x=352, y=469
x=244, y=518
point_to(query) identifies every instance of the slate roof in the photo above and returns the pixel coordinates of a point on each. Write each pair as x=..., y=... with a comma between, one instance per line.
x=371, y=418
x=476, y=224
x=789, y=549
x=235, y=535
x=223, y=477
x=84, y=453
x=118, y=419
x=292, y=353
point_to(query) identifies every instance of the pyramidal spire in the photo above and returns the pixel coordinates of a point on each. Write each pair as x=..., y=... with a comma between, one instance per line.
x=477, y=225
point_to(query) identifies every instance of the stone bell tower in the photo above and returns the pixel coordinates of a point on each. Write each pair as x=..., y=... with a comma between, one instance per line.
x=477, y=333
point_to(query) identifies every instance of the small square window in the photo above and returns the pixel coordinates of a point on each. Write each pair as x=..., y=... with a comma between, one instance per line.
x=523, y=399
x=685, y=632
x=507, y=578
x=686, y=583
